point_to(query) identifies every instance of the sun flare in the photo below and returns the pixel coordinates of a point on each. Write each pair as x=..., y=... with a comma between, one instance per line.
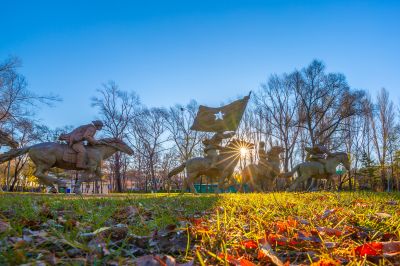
x=243, y=151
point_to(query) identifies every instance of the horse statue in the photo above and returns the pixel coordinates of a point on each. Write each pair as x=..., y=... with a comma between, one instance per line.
x=51, y=154
x=228, y=158
x=317, y=170
x=261, y=176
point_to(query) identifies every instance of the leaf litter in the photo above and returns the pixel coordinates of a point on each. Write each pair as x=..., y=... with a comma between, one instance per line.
x=169, y=229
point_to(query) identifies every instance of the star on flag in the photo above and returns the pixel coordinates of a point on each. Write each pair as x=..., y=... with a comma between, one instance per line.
x=219, y=119
x=219, y=116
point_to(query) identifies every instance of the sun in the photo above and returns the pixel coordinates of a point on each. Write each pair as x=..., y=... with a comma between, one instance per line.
x=243, y=151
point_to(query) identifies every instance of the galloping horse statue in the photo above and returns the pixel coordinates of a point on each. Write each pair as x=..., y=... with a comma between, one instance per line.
x=318, y=170
x=261, y=176
x=227, y=160
x=50, y=154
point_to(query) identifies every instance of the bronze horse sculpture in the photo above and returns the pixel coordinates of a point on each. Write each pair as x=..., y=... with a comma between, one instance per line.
x=228, y=158
x=50, y=154
x=261, y=176
x=317, y=170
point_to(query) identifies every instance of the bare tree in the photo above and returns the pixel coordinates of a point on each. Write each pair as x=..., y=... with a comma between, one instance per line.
x=147, y=135
x=27, y=134
x=325, y=101
x=281, y=105
x=382, y=117
x=17, y=105
x=178, y=122
x=117, y=110
x=16, y=101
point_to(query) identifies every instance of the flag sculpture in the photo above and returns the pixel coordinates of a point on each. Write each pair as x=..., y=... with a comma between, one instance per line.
x=220, y=119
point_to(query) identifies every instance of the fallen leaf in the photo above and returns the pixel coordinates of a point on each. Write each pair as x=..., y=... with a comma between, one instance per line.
x=378, y=248
x=369, y=249
x=196, y=221
x=117, y=232
x=147, y=260
x=4, y=226
x=266, y=251
x=392, y=202
x=250, y=244
x=244, y=262
x=330, y=231
x=101, y=230
x=360, y=203
x=327, y=213
x=383, y=215
x=326, y=262
x=330, y=244
x=391, y=248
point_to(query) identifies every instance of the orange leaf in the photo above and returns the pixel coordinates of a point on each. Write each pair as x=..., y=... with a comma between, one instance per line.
x=281, y=227
x=196, y=221
x=378, y=248
x=326, y=262
x=251, y=244
x=229, y=258
x=371, y=249
x=292, y=222
x=277, y=240
x=244, y=262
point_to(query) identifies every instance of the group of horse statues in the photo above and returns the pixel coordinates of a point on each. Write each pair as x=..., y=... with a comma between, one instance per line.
x=81, y=151
x=219, y=166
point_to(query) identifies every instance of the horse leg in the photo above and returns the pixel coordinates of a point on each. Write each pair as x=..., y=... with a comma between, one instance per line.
x=184, y=186
x=245, y=180
x=257, y=185
x=220, y=185
x=192, y=188
x=40, y=173
x=191, y=178
x=313, y=185
x=297, y=182
x=188, y=183
x=85, y=177
x=331, y=182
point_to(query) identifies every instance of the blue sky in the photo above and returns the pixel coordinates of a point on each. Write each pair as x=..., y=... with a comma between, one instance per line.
x=212, y=51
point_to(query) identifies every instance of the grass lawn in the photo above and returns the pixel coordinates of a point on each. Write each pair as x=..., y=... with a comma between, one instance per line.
x=171, y=229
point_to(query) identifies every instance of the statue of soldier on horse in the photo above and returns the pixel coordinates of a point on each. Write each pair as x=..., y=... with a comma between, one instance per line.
x=74, y=155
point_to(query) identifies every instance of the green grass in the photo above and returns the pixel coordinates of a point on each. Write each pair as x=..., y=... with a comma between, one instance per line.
x=236, y=229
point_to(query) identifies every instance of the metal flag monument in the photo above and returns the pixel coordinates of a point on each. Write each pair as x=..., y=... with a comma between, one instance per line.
x=220, y=161
x=220, y=119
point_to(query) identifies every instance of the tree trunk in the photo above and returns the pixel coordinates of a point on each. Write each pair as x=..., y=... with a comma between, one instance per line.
x=117, y=172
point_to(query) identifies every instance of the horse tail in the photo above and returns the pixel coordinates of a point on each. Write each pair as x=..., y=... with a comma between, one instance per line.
x=11, y=154
x=290, y=173
x=177, y=170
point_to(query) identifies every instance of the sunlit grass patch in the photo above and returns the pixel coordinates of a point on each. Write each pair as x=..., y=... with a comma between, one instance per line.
x=229, y=228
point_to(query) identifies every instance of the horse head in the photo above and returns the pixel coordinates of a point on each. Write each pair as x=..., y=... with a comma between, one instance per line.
x=276, y=150
x=118, y=144
x=342, y=157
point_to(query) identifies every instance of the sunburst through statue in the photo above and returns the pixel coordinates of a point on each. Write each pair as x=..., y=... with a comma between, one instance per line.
x=243, y=151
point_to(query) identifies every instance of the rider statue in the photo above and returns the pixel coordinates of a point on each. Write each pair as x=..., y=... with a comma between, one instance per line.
x=76, y=138
x=317, y=153
x=262, y=155
x=213, y=145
